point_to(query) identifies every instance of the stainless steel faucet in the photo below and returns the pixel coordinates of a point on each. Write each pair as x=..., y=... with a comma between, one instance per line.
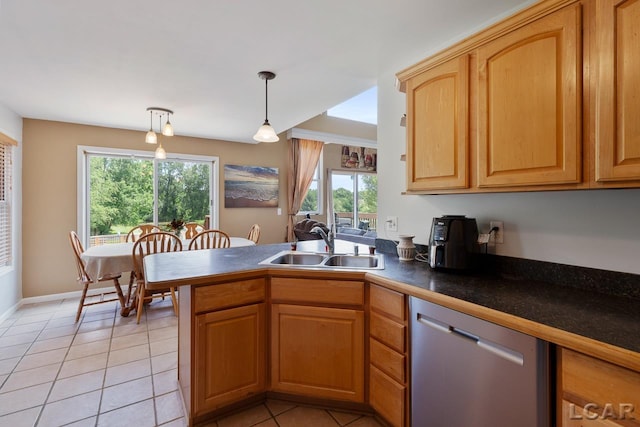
x=328, y=238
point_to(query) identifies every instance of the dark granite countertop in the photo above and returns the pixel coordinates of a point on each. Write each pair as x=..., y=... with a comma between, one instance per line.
x=609, y=319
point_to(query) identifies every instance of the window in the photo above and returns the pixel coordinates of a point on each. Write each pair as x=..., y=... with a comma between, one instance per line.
x=6, y=172
x=312, y=203
x=122, y=188
x=360, y=108
x=355, y=199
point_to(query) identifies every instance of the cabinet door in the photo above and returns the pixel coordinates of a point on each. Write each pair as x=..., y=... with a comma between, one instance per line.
x=437, y=127
x=617, y=90
x=229, y=357
x=318, y=351
x=529, y=104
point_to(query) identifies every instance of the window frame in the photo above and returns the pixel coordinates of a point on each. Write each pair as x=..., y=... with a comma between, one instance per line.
x=319, y=181
x=84, y=153
x=356, y=198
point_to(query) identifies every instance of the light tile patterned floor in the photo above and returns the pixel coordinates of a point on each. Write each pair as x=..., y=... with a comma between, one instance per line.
x=108, y=371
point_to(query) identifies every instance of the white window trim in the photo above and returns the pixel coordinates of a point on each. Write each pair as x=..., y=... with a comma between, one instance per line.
x=320, y=181
x=83, y=178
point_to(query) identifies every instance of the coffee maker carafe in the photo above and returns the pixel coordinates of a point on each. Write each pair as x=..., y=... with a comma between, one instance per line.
x=453, y=242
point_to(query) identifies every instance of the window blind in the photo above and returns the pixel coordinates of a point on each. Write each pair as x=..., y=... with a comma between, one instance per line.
x=5, y=203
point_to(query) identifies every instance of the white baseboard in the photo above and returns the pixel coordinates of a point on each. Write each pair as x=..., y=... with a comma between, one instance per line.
x=64, y=295
x=10, y=311
x=48, y=298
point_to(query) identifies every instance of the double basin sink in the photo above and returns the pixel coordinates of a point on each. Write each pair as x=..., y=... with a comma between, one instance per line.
x=326, y=261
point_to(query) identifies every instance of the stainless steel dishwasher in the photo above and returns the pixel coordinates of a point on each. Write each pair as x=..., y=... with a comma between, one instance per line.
x=466, y=372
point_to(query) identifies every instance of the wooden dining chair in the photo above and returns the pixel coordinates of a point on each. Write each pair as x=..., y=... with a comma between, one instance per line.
x=210, y=239
x=140, y=230
x=152, y=243
x=254, y=233
x=191, y=229
x=85, y=280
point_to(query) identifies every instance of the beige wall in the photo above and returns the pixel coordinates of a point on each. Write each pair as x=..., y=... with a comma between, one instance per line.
x=342, y=127
x=50, y=199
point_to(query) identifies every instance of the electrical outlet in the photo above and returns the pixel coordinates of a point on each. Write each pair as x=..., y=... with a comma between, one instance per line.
x=391, y=223
x=497, y=236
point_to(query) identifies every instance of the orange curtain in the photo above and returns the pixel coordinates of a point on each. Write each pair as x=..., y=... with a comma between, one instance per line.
x=303, y=159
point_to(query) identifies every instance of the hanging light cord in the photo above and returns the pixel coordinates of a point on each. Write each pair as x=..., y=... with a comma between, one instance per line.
x=266, y=102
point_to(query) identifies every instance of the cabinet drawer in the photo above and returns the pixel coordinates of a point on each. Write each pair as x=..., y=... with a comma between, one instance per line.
x=387, y=397
x=216, y=297
x=341, y=292
x=387, y=360
x=589, y=381
x=388, y=332
x=389, y=302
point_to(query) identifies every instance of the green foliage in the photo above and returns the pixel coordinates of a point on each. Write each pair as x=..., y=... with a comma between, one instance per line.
x=368, y=198
x=183, y=191
x=310, y=202
x=342, y=200
x=121, y=192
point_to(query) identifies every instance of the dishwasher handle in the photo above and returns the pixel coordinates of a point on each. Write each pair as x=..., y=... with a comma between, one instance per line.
x=490, y=346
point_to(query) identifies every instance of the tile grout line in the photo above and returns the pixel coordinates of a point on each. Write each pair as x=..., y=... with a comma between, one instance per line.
x=79, y=324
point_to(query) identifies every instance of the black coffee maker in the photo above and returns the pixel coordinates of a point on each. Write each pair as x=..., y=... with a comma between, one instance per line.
x=453, y=242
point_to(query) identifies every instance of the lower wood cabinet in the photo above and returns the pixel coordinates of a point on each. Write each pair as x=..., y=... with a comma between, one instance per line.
x=318, y=351
x=388, y=358
x=387, y=397
x=595, y=393
x=229, y=356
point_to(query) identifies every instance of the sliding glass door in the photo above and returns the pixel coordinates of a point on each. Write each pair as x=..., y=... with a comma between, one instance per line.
x=355, y=199
x=121, y=189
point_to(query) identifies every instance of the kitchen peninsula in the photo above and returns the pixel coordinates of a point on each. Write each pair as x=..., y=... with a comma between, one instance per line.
x=247, y=330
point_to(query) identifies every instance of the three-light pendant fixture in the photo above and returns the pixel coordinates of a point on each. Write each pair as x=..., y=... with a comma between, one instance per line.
x=167, y=129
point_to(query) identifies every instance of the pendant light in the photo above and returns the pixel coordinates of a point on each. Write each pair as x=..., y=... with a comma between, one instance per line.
x=167, y=130
x=265, y=132
x=160, y=153
x=151, y=137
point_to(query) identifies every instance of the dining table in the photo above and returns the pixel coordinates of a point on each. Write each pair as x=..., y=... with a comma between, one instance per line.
x=117, y=258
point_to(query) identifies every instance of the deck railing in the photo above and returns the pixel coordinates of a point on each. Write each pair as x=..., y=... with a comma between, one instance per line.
x=346, y=219
x=107, y=239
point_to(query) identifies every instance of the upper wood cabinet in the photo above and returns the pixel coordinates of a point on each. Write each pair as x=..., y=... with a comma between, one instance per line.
x=529, y=104
x=546, y=99
x=617, y=145
x=437, y=127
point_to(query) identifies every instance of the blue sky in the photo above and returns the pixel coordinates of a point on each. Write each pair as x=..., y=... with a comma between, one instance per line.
x=361, y=108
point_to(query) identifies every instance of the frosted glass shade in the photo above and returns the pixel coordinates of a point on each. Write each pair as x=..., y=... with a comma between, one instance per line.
x=266, y=134
x=151, y=138
x=167, y=130
x=160, y=153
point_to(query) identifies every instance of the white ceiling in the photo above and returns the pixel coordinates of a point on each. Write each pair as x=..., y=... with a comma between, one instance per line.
x=104, y=62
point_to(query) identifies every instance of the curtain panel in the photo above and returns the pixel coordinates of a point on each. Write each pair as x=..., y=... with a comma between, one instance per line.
x=303, y=159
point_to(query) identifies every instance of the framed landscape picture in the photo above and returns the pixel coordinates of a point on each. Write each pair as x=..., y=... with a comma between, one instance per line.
x=250, y=187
